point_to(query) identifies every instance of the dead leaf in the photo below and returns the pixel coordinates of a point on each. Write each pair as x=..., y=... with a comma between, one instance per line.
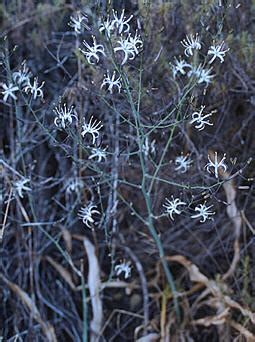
x=62, y=271
x=194, y=273
x=94, y=284
x=217, y=299
x=47, y=328
x=153, y=337
x=213, y=320
x=245, y=312
x=234, y=215
x=243, y=331
x=67, y=238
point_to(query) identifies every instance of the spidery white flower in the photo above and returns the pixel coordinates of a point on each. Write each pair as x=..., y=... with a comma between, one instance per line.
x=64, y=116
x=216, y=51
x=78, y=23
x=179, y=67
x=74, y=184
x=203, y=212
x=216, y=165
x=86, y=214
x=106, y=26
x=123, y=267
x=93, y=51
x=34, y=89
x=135, y=42
x=91, y=128
x=111, y=82
x=127, y=48
x=98, y=153
x=201, y=120
x=202, y=75
x=121, y=23
x=20, y=186
x=9, y=90
x=172, y=206
x=191, y=43
x=22, y=76
x=183, y=163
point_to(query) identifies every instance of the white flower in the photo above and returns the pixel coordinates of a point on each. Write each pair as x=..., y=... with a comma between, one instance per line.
x=93, y=51
x=9, y=91
x=20, y=186
x=135, y=42
x=149, y=147
x=22, y=76
x=64, y=116
x=125, y=268
x=203, y=212
x=171, y=206
x=202, y=75
x=121, y=23
x=74, y=184
x=127, y=48
x=86, y=213
x=98, y=153
x=91, y=128
x=106, y=26
x=217, y=51
x=111, y=82
x=179, y=67
x=183, y=163
x=34, y=89
x=190, y=43
x=200, y=120
x=216, y=165
x=79, y=22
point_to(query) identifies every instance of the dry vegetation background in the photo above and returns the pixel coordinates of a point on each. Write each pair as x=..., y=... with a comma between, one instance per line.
x=56, y=274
